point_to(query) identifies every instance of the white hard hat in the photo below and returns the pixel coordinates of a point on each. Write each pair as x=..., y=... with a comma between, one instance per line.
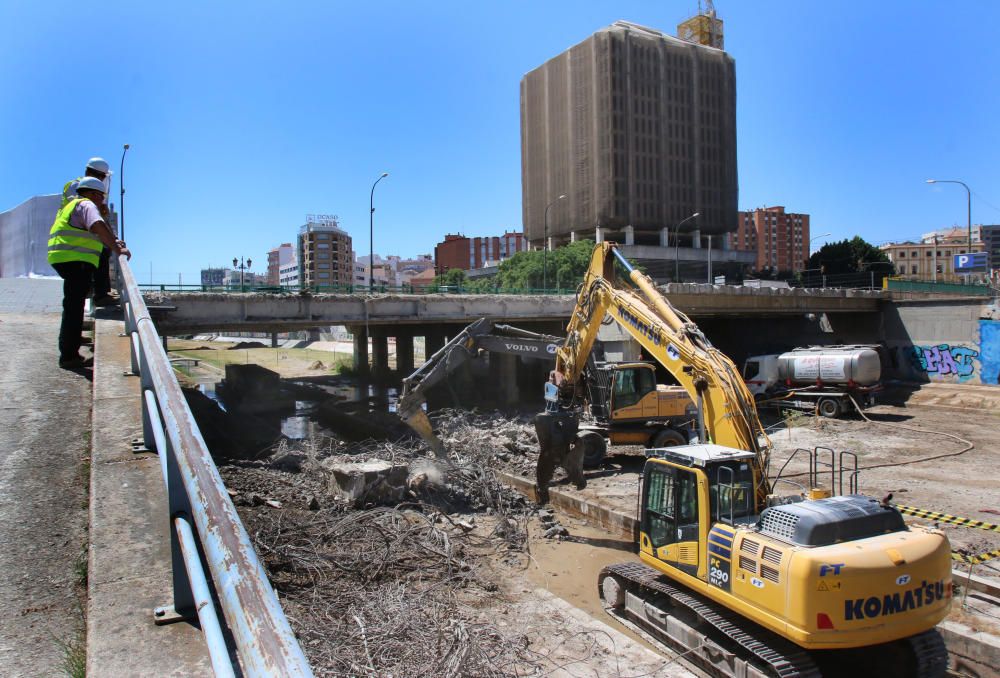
x=92, y=183
x=99, y=164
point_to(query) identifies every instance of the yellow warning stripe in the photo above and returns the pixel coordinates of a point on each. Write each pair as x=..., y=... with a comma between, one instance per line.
x=939, y=517
x=976, y=559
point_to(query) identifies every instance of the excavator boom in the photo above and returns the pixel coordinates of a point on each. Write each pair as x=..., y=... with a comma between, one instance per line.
x=728, y=416
x=483, y=334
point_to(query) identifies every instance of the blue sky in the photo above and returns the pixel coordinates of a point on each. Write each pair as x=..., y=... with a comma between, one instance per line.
x=244, y=117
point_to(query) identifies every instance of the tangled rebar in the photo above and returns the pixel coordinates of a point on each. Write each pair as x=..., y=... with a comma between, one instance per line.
x=397, y=590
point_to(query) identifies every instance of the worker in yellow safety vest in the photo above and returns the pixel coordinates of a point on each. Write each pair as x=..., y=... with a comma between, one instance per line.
x=76, y=239
x=99, y=169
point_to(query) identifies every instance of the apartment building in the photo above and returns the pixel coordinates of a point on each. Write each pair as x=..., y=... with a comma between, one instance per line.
x=276, y=258
x=324, y=252
x=458, y=251
x=931, y=260
x=780, y=239
x=288, y=273
x=991, y=243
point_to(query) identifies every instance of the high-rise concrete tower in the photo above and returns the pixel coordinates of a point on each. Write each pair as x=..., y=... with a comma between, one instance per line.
x=638, y=130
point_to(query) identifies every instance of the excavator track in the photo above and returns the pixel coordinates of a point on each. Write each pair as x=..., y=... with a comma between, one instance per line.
x=720, y=642
x=777, y=656
x=931, y=654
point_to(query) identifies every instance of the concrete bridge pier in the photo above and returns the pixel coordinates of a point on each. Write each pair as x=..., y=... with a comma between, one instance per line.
x=433, y=342
x=274, y=340
x=360, y=350
x=380, y=354
x=404, y=353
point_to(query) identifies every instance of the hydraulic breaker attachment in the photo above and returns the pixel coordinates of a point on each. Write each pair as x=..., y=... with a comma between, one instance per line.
x=556, y=433
x=417, y=419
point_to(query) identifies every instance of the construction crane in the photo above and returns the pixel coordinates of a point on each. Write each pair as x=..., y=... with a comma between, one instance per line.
x=705, y=28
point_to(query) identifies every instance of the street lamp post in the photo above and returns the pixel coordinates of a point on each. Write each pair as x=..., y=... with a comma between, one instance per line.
x=968, y=204
x=371, y=234
x=821, y=235
x=809, y=247
x=545, y=244
x=121, y=186
x=677, y=236
x=241, y=267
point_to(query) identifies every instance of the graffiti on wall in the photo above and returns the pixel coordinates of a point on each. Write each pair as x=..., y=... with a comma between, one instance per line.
x=946, y=361
x=989, y=345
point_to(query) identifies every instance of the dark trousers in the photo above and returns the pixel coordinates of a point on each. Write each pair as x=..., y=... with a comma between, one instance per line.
x=102, y=275
x=76, y=277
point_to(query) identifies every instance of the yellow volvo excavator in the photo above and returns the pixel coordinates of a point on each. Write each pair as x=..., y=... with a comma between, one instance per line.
x=749, y=583
x=628, y=406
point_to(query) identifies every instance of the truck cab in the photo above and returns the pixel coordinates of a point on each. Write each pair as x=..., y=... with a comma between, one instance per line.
x=760, y=372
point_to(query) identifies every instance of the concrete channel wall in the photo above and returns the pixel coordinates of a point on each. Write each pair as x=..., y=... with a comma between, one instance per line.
x=950, y=340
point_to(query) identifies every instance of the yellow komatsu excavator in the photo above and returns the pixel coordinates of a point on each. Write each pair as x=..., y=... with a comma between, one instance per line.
x=749, y=583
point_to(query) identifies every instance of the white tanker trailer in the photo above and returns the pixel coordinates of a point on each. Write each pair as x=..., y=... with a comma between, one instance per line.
x=818, y=378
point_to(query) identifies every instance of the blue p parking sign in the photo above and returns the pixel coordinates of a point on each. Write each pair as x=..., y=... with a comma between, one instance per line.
x=970, y=263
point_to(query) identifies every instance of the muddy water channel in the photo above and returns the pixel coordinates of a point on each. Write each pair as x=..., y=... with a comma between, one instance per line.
x=251, y=409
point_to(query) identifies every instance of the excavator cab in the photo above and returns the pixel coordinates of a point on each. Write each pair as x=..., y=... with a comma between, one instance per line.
x=686, y=490
x=631, y=384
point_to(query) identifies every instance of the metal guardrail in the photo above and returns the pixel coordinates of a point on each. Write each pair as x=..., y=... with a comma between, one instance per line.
x=360, y=290
x=863, y=280
x=264, y=640
x=927, y=286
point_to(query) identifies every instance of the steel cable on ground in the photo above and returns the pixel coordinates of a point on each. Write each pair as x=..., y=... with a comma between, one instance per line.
x=968, y=445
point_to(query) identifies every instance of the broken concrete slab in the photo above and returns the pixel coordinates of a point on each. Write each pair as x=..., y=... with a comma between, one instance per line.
x=972, y=652
x=366, y=482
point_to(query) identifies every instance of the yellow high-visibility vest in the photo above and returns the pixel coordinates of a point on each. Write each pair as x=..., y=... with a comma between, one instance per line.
x=67, y=243
x=69, y=191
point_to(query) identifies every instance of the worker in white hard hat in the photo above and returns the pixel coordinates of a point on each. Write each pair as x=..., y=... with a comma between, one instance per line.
x=76, y=240
x=97, y=168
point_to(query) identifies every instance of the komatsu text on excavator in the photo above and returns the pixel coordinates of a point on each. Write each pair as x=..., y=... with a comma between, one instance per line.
x=747, y=582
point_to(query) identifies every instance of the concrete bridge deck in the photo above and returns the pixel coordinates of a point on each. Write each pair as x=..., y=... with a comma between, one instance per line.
x=191, y=312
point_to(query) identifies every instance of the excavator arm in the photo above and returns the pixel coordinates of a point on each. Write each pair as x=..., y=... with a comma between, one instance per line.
x=726, y=406
x=480, y=335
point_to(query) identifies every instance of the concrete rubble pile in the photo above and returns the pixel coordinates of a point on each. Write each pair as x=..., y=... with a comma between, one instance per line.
x=508, y=443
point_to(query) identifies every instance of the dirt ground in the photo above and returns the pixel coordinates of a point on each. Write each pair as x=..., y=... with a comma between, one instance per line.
x=291, y=362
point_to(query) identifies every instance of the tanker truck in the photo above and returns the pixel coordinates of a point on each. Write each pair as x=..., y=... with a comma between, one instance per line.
x=823, y=379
